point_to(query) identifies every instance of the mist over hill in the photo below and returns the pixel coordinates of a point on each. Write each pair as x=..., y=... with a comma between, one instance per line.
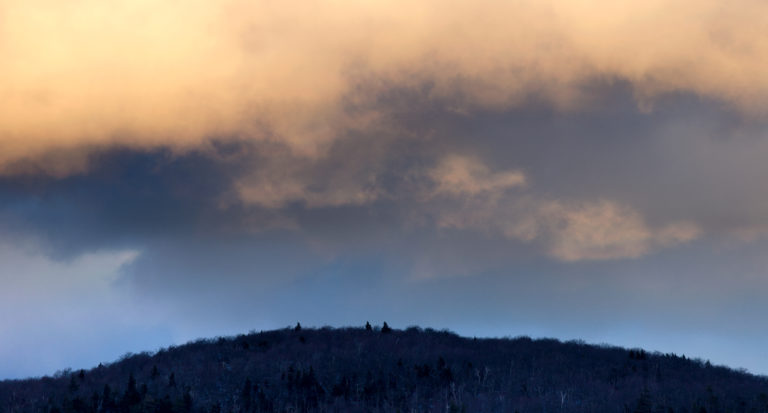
x=379, y=369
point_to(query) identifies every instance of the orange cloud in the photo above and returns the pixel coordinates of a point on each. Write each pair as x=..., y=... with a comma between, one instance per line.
x=144, y=73
x=606, y=230
x=482, y=200
x=466, y=176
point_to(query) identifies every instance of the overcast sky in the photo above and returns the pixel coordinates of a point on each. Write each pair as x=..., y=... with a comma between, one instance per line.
x=575, y=169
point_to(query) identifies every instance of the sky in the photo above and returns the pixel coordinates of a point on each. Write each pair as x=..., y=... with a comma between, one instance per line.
x=577, y=169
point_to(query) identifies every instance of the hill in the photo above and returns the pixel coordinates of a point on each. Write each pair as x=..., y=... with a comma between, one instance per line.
x=386, y=370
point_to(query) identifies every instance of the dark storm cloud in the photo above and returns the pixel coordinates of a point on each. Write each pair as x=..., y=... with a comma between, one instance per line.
x=127, y=196
x=683, y=161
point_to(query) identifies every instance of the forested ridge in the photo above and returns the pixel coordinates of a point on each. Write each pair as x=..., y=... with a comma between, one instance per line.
x=379, y=369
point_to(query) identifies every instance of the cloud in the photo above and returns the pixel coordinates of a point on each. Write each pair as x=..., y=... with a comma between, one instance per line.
x=567, y=230
x=604, y=230
x=131, y=199
x=461, y=175
x=86, y=74
x=335, y=181
x=283, y=179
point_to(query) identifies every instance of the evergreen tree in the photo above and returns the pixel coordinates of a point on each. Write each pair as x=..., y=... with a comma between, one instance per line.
x=245, y=395
x=131, y=396
x=107, y=399
x=164, y=405
x=95, y=401
x=186, y=401
x=644, y=403
x=73, y=386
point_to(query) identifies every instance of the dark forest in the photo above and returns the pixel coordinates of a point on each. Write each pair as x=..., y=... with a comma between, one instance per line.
x=380, y=369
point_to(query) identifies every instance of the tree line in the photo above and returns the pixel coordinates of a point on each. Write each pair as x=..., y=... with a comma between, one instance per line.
x=381, y=369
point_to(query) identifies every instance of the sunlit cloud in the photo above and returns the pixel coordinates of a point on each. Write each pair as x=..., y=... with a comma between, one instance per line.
x=567, y=230
x=86, y=74
x=604, y=230
x=461, y=175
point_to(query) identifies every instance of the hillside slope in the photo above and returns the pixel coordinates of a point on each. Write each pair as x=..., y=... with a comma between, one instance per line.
x=375, y=370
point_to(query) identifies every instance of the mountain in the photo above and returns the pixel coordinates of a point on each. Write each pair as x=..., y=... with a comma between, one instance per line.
x=387, y=370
